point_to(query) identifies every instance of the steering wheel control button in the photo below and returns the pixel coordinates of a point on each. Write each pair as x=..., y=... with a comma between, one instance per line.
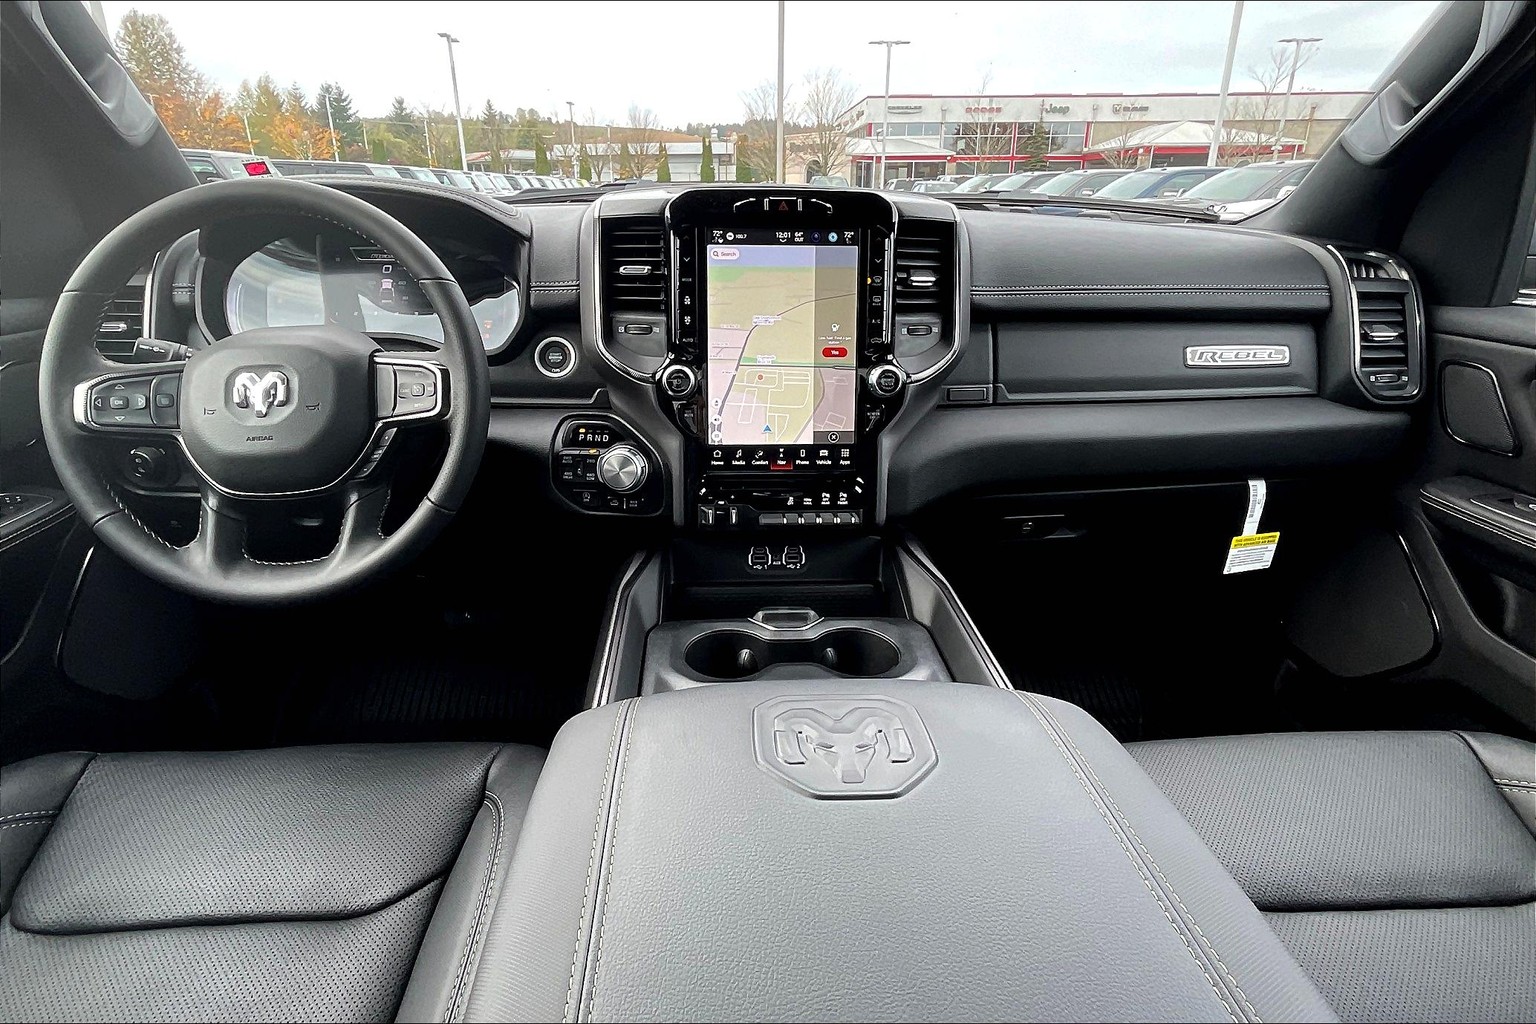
x=122, y=403
x=678, y=381
x=622, y=468
x=147, y=465
x=165, y=397
x=887, y=380
x=554, y=357
x=415, y=391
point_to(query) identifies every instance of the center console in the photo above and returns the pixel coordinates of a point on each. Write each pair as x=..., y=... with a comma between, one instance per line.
x=780, y=369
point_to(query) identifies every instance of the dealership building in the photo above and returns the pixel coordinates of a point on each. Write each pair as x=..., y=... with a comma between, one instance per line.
x=931, y=136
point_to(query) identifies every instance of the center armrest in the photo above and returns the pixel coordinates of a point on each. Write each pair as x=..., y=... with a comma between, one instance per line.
x=867, y=850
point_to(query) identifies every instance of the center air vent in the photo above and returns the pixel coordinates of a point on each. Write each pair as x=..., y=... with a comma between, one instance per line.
x=634, y=272
x=923, y=284
x=1387, y=344
x=121, y=323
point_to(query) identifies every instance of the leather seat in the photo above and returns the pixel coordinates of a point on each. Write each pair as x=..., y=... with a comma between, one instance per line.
x=319, y=883
x=1398, y=868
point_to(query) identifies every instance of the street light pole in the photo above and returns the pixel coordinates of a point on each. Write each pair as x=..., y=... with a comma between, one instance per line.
x=458, y=117
x=1290, y=86
x=885, y=112
x=778, y=147
x=1214, y=158
x=570, y=106
x=331, y=123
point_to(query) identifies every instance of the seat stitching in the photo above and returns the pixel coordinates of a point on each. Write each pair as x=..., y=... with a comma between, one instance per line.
x=45, y=812
x=597, y=826
x=1209, y=947
x=618, y=803
x=1130, y=856
x=1514, y=782
x=19, y=824
x=461, y=984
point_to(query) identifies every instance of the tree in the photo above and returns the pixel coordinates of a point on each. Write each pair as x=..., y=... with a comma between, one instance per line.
x=585, y=170
x=707, y=161
x=743, y=168
x=1257, y=121
x=540, y=156
x=663, y=165
x=349, y=127
x=755, y=143
x=158, y=65
x=979, y=140
x=645, y=133
x=626, y=162
x=827, y=97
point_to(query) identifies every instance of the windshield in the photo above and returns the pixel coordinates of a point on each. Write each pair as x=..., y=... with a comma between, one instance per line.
x=1132, y=185
x=964, y=103
x=1234, y=185
x=1062, y=184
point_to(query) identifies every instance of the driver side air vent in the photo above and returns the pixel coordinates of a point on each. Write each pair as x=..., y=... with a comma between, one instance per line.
x=121, y=323
x=1388, y=342
x=923, y=284
x=633, y=258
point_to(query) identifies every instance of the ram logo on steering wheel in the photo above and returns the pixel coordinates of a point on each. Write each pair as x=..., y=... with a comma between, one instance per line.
x=261, y=393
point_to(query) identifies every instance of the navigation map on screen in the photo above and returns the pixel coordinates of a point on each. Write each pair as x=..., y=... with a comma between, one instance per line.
x=782, y=339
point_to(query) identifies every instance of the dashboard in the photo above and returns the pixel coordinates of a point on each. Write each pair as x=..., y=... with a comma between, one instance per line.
x=757, y=358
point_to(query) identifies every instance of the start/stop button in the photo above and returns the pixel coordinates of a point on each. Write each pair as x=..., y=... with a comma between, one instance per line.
x=554, y=357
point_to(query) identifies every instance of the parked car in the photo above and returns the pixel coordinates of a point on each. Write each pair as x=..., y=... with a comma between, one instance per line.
x=830, y=180
x=933, y=185
x=1074, y=184
x=220, y=164
x=900, y=184
x=1240, y=191
x=980, y=182
x=1022, y=181
x=454, y=179
x=297, y=167
x=1158, y=182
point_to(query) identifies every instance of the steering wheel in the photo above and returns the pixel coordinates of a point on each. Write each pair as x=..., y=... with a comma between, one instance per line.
x=266, y=415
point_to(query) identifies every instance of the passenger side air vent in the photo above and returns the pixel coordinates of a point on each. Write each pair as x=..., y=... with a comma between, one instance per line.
x=923, y=285
x=121, y=323
x=634, y=281
x=1388, y=344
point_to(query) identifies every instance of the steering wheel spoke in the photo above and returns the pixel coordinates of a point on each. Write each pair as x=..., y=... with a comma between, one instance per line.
x=362, y=524
x=219, y=546
x=409, y=388
x=137, y=401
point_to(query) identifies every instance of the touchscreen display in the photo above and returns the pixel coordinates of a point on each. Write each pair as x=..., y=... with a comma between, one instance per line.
x=782, y=310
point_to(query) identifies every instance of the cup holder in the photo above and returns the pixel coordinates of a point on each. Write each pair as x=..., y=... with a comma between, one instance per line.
x=737, y=654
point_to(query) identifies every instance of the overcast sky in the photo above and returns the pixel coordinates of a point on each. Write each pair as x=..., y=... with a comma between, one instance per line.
x=690, y=61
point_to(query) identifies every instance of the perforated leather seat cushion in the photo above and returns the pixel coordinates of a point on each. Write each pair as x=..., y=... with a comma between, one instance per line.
x=277, y=884
x=1399, y=868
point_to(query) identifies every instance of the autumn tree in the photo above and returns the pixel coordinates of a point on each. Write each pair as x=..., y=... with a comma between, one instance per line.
x=707, y=161
x=663, y=165
x=827, y=97
x=540, y=156
x=158, y=65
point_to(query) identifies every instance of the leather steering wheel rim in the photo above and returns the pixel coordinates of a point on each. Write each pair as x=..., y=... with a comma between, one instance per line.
x=216, y=565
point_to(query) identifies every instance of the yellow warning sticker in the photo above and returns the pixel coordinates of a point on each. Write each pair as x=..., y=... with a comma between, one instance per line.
x=1250, y=552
